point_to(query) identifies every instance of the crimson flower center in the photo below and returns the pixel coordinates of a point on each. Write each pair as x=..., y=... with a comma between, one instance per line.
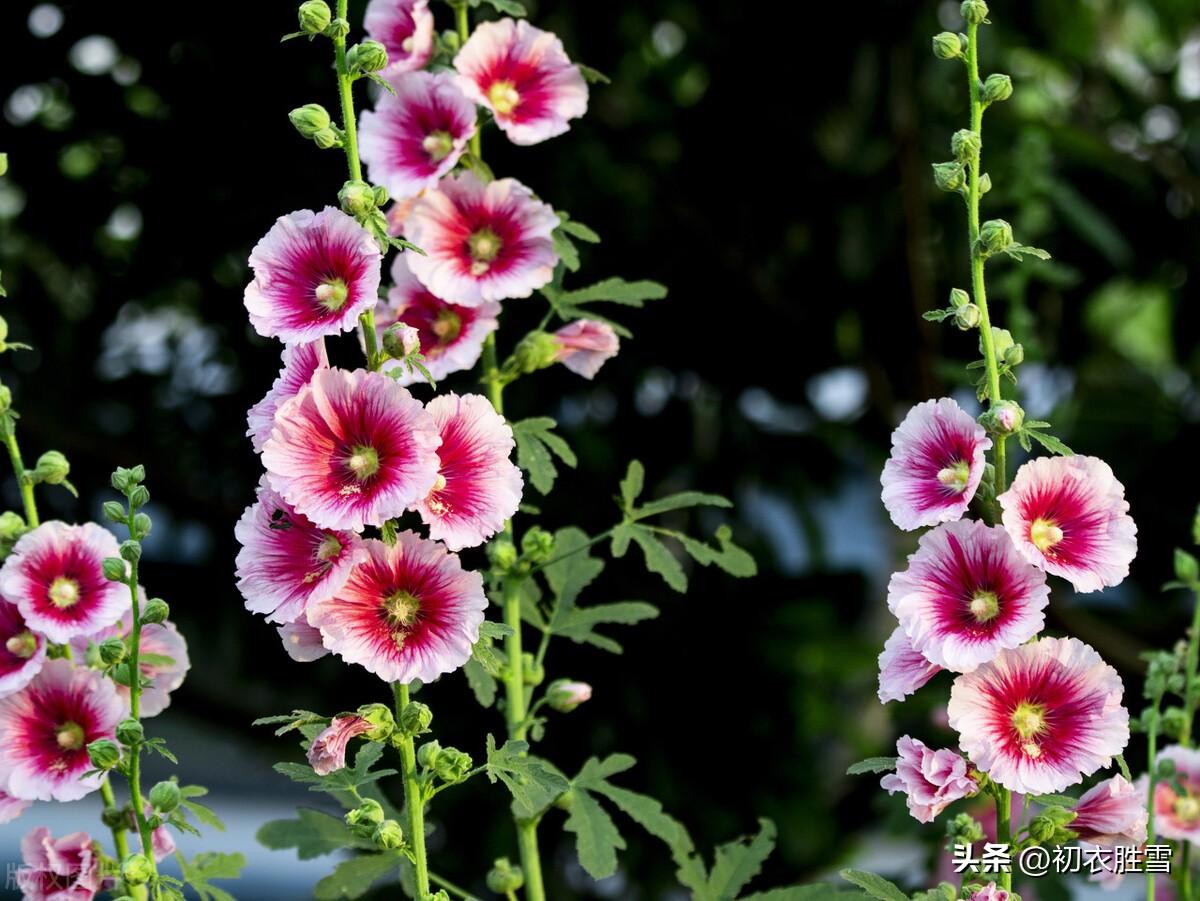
x=438, y=145
x=64, y=592
x=69, y=736
x=503, y=96
x=1045, y=534
x=955, y=476
x=332, y=294
x=22, y=645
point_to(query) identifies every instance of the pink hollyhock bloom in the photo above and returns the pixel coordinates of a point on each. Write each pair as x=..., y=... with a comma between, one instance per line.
x=1111, y=813
x=47, y=727
x=450, y=335
x=967, y=594
x=478, y=486
x=522, y=74
x=416, y=136
x=301, y=641
x=11, y=808
x=584, y=345
x=313, y=274
x=931, y=780
x=352, y=449
x=55, y=576
x=22, y=653
x=300, y=361
x=405, y=28
x=1038, y=718
x=481, y=242
x=64, y=869
x=1176, y=815
x=990, y=892
x=409, y=612
x=285, y=561
x=327, y=752
x=936, y=463
x=1069, y=516
x=902, y=669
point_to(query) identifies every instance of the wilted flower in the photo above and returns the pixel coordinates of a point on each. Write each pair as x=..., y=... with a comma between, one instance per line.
x=931, y=780
x=327, y=752
x=64, y=869
x=584, y=345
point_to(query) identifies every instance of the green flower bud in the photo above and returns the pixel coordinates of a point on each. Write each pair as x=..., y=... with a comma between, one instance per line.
x=535, y=351
x=309, y=119
x=381, y=195
x=566, y=800
x=130, y=731
x=155, y=611
x=1014, y=356
x=338, y=28
x=415, y=718
x=3, y=163
x=388, y=835
x=537, y=544
x=117, y=817
x=111, y=651
x=974, y=12
x=959, y=298
x=383, y=724
x=1173, y=719
x=452, y=765
x=142, y=524
x=947, y=45
x=366, y=815
x=428, y=753
x=12, y=526
x=964, y=829
x=356, y=198
x=5, y=399
x=503, y=553
x=104, y=753
x=52, y=468
x=966, y=145
x=967, y=317
x=114, y=569
x=369, y=56
x=440, y=895
x=326, y=139
x=564, y=695
x=995, y=235
x=136, y=869
x=985, y=183
x=1002, y=340
x=114, y=511
x=532, y=672
x=165, y=796
x=997, y=88
x=131, y=550
x=401, y=340
x=315, y=16
x=139, y=497
x=1003, y=418
x=124, y=479
x=949, y=176
x=503, y=877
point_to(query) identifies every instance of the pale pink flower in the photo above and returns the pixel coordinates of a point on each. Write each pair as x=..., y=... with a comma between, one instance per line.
x=450, y=335
x=478, y=486
x=313, y=274
x=327, y=753
x=1176, y=815
x=584, y=345
x=1069, y=516
x=902, y=670
x=47, y=727
x=405, y=28
x=990, y=892
x=55, y=576
x=301, y=641
x=352, y=449
x=285, y=561
x=300, y=361
x=936, y=463
x=11, y=808
x=967, y=594
x=1038, y=718
x=1111, y=813
x=416, y=135
x=930, y=780
x=64, y=869
x=409, y=612
x=22, y=652
x=564, y=695
x=481, y=242
x=522, y=74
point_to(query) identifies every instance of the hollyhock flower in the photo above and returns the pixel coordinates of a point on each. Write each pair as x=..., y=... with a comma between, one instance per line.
x=47, y=727
x=301, y=641
x=410, y=611
x=1111, y=813
x=1176, y=815
x=967, y=594
x=22, y=653
x=405, y=28
x=902, y=669
x=450, y=335
x=1038, y=718
x=481, y=242
x=64, y=869
x=1069, y=516
x=300, y=361
x=327, y=752
x=285, y=561
x=584, y=345
x=313, y=274
x=416, y=136
x=931, y=780
x=11, y=808
x=522, y=74
x=351, y=449
x=55, y=577
x=990, y=892
x=478, y=486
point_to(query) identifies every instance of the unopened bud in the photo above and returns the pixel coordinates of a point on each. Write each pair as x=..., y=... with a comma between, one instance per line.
x=155, y=611
x=401, y=340
x=310, y=119
x=388, y=835
x=535, y=351
x=130, y=731
x=5, y=399
x=985, y=183
x=136, y=869
x=1003, y=418
x=565, y=695
x=104, y=753
x=131, y=551
x=315, y=16
x=966, y=145
x=415, y=718
x=503, y=554
x=1014, y=356
x=366, y=816
x=532, y=672
x=383, y=724
x=537, y=544
x=974, y=12
x=381, y=195
x=12, y=526
x=428, y=754
x=52, y=468
x=947, y=45
x=504, y=878
x=338, y=28
x=114, y=569
x=356, y=198
x=950, y=176
x=959, y=298
x=967, y=317
x=369, y=56
x=995, y=235
x=165, y=796
x=114, y=511
x=997, y=88
x=111, y=651
x=452, y=765
x=139, y=497
x=326, y=139
x=142, y=524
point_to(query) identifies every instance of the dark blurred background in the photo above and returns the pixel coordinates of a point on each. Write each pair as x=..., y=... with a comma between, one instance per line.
x=771, y=165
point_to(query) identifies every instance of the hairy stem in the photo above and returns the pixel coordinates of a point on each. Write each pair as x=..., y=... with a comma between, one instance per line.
x=413, y=799
x=145, y=834
x=23, y=481
x=1004, y=830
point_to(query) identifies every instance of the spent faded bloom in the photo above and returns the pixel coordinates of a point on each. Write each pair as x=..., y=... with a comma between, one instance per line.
x=47, y=727
x=584, y=345
x=410, y=611
x=930, y=780
x=22, y=653
x=1176, y=814
x=1111, y=813
x=352, y=449
x=936, y=463
x=902, y=668
x=1069, y=516
x=416, y=135
x=285, y=561
x=481, y=242
x=300, y=361
x=314, y=273
x=522, y=74
x=55, y=577
x=967, y=594
x=302, y=641
x=478, y=485
x=327, y=752
x=1038, y=718
x=450, y=335
x=64, y=869
x=405, y=28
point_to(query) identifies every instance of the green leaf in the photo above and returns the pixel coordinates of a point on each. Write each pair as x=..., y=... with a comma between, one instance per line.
x=353, y=878
x=937, y=315
x=566, y=250
x=596, y=837
x=1123, y=767
x=872, y=765
x=205, y=815
x=207, y=866
x=679, y=501
x=313, y=833
x=614, y=290
x=573, y=570
x=535, y=445
x=593, y=76
x=343, y=780
x=1020, y=251
x=508, y=7
x=739, y=861
x=580, y=231
x=1048, y=441
x=483, y=684
x=875, y=886
x=659, y=558
x=1055, y=800
x=632, y=484
x=731, y=558
x=818, y=891
x=648, y=813
x=533, y=783
x=1187, y=568
x=579, y=623
x=293, y=720
x=484, y=652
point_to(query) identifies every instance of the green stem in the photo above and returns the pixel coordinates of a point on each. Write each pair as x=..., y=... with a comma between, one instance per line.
x=413, y=798
x=14, y=454
x=463, y=22
x=1192, y=691
x=1152, y=767
x=145, y=833
x=1185, y=877
x=451, y=887
x=1004, y=830
x=120, y=843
